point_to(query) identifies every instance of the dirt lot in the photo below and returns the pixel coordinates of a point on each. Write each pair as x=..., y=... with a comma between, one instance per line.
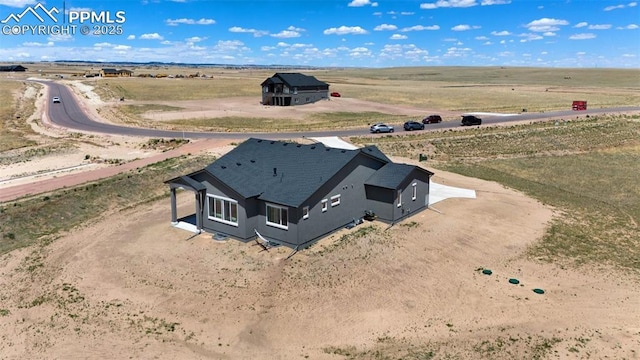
x=131, y=286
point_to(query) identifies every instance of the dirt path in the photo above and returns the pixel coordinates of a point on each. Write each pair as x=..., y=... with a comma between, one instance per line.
x=47, y=185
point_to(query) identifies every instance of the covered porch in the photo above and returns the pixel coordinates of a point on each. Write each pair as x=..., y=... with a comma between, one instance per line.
x=193, y=222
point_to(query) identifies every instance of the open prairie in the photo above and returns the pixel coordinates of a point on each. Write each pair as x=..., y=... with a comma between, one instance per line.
x=96, y=271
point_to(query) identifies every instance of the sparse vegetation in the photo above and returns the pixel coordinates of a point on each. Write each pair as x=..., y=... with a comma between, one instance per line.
x=586, y=168
x=67, y=208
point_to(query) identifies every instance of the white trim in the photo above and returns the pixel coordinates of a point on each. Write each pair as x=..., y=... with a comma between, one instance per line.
x=333, y=202
x=414, y=191
x=211, y=197
x=399, y=198
x=305, y=213
x=278, y=225
x=325, y=205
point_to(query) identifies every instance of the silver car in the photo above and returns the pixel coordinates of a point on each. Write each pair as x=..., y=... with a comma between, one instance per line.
x=381, y=128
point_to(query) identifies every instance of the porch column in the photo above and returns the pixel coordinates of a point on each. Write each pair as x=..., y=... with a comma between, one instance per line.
x=174, y=209
x=198, y=210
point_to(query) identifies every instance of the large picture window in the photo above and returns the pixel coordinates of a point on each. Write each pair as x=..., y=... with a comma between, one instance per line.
x=223, y=210
x=277, y=216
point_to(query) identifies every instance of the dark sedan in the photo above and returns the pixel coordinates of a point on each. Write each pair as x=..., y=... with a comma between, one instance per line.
x=413, y=125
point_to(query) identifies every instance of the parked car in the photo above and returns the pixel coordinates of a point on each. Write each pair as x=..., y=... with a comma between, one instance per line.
x=381, y=128
x=468, y=120
x=56, y=100
x=335, y=94
x=432, y=119
x=413, y=125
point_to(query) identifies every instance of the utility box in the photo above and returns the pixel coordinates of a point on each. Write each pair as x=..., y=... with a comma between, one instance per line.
x=579, y=105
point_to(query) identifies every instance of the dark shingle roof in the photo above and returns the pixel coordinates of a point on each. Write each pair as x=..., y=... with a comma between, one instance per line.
x=300, y=170
x=391, y=175
x=295, y=79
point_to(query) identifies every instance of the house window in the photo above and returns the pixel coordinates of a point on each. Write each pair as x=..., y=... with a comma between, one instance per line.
x=277, y=216
x=295, y=90
x=308, y=99
x=223, y=210
x=414, y=191
x=335, y=200
x=305, y=213
x=399, y=198
x=325, y=205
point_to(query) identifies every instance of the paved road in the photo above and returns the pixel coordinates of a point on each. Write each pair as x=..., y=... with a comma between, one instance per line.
x=69, y=114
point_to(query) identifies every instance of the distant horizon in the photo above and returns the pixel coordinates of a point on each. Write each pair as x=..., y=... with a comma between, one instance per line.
x=284, y=66
x=325, y=34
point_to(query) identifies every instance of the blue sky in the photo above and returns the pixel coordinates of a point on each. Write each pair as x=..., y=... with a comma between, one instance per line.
x=360, y=33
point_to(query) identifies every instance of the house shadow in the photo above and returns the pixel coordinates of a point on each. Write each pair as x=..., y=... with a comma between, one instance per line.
x=187, y=223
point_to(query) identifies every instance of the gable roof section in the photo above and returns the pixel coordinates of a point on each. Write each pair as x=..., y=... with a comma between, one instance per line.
x=279, y=172
x=391, y=175
x=295, y=79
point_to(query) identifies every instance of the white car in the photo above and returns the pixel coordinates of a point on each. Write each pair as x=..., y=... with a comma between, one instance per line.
x=56, y=100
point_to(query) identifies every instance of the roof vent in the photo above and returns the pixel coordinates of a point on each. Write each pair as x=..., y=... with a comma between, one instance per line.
x=328, y=149
x=343, y=151
x=253, y=161
x=285, y=144
x=313, y=147
x=275, y=171
x=298, y=145
x=259, y=141
x=273, y=142
x=223, y=167
x=238, y=164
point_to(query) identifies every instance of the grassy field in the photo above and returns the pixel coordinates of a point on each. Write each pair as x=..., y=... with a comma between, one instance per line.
x=447, y=88
x=68, y=208
x=13, y=115
x=587, y=169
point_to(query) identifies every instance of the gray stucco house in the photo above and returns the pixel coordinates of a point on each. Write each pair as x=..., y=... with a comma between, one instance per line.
x=289, y=89
x=295, y=194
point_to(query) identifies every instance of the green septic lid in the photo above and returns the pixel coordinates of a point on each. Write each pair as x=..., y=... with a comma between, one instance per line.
x=487, y=272
x=514, y=281
x=538, y=291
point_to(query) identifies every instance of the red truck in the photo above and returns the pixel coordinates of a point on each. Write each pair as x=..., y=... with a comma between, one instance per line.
x=579, y=105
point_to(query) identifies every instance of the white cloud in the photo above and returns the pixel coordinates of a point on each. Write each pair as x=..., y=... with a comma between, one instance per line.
x=195, y=39
x=464, y=27
x=37, y=44
x=131, y=37
x=176, y=22
x=448, y=4
x=500, y=33
x=17, y=3
x=122, y=47
x=256, y=33
x=615, y=7
x=398, y=37
x=385, y=27
x=344, y=30
x=359, y=3
x=420, y=28
x=495, y=2
x=546, y=24
x=600, y=27
x=152, y=36
x=581, y=24
x=286, y=34
x=631, y=27
x=584, y=36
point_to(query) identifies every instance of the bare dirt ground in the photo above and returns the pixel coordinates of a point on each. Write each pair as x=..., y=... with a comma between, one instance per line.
x=131, y=286
x=251, y=107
